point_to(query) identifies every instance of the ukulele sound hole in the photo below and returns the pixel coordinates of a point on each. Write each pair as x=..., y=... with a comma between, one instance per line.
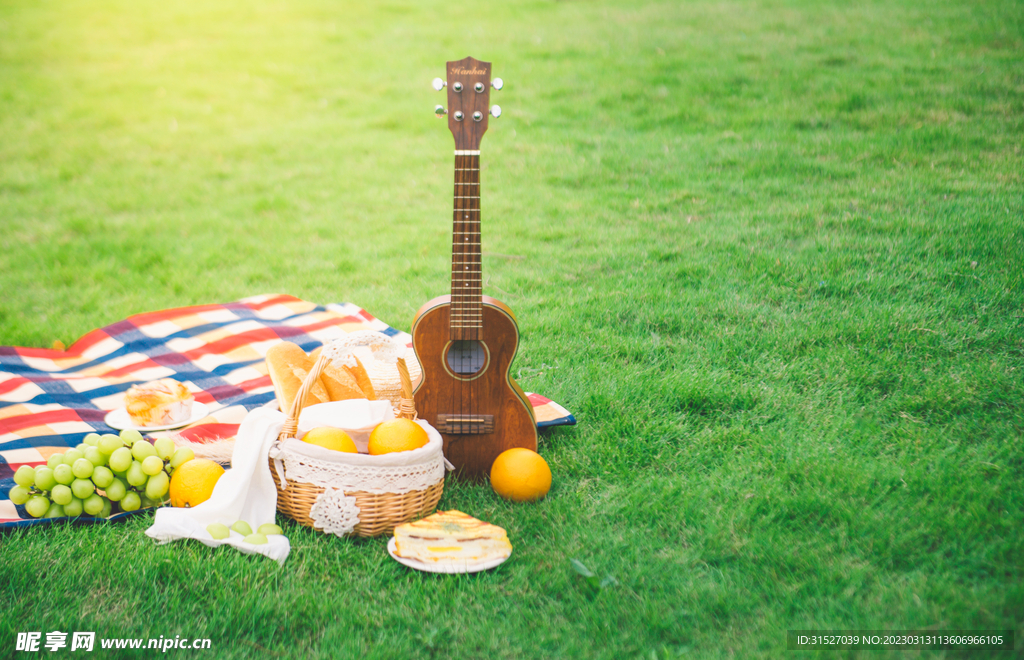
x=466, y=357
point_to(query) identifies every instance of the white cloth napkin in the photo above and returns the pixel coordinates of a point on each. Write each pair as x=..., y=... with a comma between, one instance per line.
x=357, y=417
x=245, y=492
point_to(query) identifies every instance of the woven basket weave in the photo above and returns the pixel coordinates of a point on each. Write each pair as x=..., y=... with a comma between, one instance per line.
x=379, y=513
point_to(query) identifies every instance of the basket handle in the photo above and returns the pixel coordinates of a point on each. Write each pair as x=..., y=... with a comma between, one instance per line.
x=407, y=409
x=291, y=422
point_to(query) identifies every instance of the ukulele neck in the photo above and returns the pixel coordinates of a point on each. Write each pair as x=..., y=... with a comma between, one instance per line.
x=466, y=311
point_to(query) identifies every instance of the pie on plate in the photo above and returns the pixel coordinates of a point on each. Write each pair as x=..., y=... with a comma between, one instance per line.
x=451, y=538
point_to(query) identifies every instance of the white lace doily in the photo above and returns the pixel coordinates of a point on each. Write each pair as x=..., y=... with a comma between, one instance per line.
x=335, y=512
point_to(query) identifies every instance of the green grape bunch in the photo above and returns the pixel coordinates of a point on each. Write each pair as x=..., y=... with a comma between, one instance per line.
x=104, y=474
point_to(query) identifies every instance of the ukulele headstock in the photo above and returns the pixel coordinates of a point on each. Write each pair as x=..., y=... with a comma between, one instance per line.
x=469, y=94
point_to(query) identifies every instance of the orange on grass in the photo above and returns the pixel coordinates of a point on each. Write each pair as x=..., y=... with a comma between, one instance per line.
x=331, y=438
x=396, y=435
x=520, y=475
x=193, y=481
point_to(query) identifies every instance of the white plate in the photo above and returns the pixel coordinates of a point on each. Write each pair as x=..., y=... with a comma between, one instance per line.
x=119, y=419
x=451, y=567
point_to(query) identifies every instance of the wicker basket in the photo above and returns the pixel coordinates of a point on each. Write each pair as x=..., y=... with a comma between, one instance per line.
x=379, y=513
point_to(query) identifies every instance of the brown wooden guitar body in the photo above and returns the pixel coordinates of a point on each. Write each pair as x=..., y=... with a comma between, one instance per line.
x=491, y=391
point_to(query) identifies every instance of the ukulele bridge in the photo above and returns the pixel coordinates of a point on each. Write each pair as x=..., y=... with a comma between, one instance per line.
x=465, y=424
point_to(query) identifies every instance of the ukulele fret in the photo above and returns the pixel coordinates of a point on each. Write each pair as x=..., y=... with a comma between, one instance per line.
x=466, y=315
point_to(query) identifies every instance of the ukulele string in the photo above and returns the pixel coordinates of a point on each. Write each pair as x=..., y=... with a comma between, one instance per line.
x=467, y=205
x=473, y=223
x=456, y=259
x=464, y=227
x=462, y=298
x=472, y=196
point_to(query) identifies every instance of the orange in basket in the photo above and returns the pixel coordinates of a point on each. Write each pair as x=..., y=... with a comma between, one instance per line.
x=396, y=435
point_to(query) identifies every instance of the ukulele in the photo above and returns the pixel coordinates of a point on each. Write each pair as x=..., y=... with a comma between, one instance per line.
x=466, y=341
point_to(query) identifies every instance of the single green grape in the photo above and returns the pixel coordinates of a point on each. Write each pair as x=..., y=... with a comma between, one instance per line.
x=242, y=528
x=218, y=530
x=110, y=443
x=107, y=508
x=19, y=495
x=92, y=439
x=95, y=456
x=61, y=494
x=63, y=474
x=270, y=529
x=73, y=508
x=81, y=447
x=130, y=436
x=148, y=501
x=121, y=459
x=44, y=478
x=164, y=448
x=37, y=506
x=136, y=476
x=54, y=511
x=82, y=488
x=158, y=484
x=54, y=460
x=116, y=490
x=93, y=504
x=256, y=539
x=131, y=501
x=82, y=468
x=152, y=465
x=102, y=476
x=72, y=455
x=142, y=450
x=25, y=476
x=181, y=456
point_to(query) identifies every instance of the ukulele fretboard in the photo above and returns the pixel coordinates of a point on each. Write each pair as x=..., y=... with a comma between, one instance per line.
x=466, y=313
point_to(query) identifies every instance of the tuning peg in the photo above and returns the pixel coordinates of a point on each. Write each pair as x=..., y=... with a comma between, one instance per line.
x=439, y=84
x=440, y=111
x=497, y=83
x=496, y=110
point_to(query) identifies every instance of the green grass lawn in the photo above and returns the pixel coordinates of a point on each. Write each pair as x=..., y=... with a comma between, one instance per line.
x=769, y=253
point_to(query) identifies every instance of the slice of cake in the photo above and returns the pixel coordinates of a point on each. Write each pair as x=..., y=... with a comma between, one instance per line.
x=451, y=536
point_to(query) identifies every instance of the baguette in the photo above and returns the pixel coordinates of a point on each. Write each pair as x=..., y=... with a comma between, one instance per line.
x=362, y=379
x=344, y=382
x=288, y=366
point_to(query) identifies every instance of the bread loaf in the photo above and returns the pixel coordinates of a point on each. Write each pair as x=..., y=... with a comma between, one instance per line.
x=362, y=378
x=344, y=382
x=164, y=401
x=288, y=366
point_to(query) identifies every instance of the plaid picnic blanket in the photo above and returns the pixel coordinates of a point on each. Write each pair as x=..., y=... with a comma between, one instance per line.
x=51, y=399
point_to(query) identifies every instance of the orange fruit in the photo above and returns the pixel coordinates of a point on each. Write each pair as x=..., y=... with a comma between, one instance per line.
x=520, y=475
x=330, y=438
x=193, y=481
x=396, y=435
